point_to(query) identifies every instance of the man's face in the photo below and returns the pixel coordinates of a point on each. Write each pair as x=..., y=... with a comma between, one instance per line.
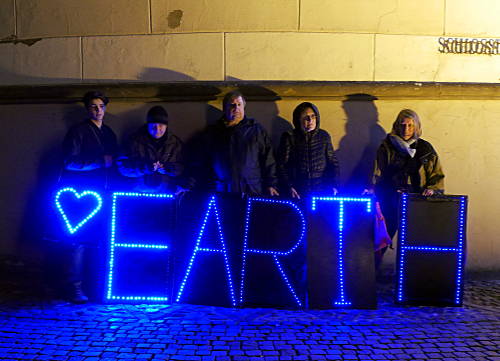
x=96, y=110
x=235, y=110
x=308, y=120
x=407, y=128
x=157, y=130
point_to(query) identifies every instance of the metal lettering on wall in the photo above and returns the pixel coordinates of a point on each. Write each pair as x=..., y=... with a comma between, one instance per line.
x=469, y=46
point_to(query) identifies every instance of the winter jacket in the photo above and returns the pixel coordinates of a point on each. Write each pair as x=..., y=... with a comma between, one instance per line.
x=397, y=171
x=84, y=148
x=307, y=160
x=241, y=157
x=142, y=151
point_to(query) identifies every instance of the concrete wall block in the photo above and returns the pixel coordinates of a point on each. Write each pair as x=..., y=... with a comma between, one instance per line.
x=7, y=19
x=299, y=56
x=381, y=16
x=154, y=58
x=41, y=18
x=221, y=15
x=477, y=18
x=403, y=58
x=46, y=61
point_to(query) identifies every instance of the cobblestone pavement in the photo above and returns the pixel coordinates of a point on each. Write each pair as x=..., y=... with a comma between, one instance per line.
x=40, y=329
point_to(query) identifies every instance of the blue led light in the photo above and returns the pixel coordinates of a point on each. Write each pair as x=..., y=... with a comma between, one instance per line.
x=212, y=209
x=460, y=263
x=275, y=253
x=113, y=244
x=137, y=298
x=340, y=253
x=366, y=200
x=459, y=250
x=402, y=244
x=73, y=229
x=136, y=245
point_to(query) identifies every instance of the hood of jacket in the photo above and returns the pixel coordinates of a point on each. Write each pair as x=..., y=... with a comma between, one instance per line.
x=299, y=109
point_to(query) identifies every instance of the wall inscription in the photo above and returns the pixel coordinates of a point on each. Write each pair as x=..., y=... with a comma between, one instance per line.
x=469, y=46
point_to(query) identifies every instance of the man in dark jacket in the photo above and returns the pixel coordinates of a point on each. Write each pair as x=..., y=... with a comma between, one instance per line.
x=89, y=149
x=241, y=155
x=154, y=156
x=306, y=159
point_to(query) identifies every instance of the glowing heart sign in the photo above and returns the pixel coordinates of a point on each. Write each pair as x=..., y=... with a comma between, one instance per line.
x=83, y=216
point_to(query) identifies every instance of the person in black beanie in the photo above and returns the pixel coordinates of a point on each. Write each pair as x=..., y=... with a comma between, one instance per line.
x=154, y=156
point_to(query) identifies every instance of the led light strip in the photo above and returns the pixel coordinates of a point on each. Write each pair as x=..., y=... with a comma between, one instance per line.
x=113, y=245
x=274, y=254
x=211, y=205
x=341, y=200
x=459, y=250
x=70, y=228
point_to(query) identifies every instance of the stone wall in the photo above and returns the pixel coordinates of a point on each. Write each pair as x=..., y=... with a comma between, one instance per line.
x=186, y=53
x=68, y=41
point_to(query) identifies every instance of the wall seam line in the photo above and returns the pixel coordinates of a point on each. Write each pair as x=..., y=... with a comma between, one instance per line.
x=150, y=18
x=444, y=18
x=298, y=13
x=15, y=18
x=374, y=57
x=224, y=54
x=81, y=59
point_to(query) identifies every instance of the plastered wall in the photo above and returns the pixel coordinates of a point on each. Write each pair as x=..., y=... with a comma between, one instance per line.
x=464, y=132
x=68, y=41
x=101, y=42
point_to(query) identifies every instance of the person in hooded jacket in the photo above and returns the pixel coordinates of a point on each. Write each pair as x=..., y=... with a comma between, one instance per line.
x=306, y=158
x=153, y=156
x=239, y=152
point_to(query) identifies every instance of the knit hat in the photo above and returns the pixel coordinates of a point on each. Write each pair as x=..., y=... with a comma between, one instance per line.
x=157, y=114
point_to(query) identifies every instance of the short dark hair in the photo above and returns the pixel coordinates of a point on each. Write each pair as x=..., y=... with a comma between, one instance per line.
x=94, y=94
x=232, y=95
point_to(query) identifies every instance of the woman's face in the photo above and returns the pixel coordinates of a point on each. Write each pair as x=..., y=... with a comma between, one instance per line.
x=407, y=128
x=308, y=120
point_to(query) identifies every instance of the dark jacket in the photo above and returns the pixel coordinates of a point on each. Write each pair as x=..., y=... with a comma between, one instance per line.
x=241, y=157
x=397, y=171
x=142, y=151
x=84, y=148
x=307, y=160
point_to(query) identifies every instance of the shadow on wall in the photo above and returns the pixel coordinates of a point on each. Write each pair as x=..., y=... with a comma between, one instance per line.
x=10, y=78
x=190, y=117
x=262, y=106
x=358, y=147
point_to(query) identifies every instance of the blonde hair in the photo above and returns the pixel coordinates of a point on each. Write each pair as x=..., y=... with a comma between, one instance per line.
x=403, y=114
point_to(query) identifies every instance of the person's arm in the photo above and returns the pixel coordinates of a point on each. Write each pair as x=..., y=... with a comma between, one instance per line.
x=131, y=164
x=267, y=162
x=283, y=159
x=332, y=165
x=434, y=176
x=174, y=167
x=74, y=157
x=378, y=169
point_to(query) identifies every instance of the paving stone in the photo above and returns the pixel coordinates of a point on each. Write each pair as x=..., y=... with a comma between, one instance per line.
x=34, y=329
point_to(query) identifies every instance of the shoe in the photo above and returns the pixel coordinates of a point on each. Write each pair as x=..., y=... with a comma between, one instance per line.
x=77, y=296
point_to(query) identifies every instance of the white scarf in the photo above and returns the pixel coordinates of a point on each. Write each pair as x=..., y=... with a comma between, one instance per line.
x=403, y=146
